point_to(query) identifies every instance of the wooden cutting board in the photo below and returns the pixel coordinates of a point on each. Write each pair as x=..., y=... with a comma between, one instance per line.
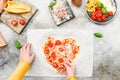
x=8, y=17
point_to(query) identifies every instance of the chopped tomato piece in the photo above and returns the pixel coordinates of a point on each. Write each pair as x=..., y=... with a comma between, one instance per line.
x=55, y=65
x=58, y=42
x=61, y=60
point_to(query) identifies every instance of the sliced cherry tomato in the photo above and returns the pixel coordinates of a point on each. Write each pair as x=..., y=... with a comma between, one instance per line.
x=61, y=60
x=22, y=21
x=50, y=44
x=111, y=13
x=61, y=49
x=50, y=60
x=74, y=51
x=58, y=42
x=53, y=55
x=14, y=22
x=55, y=65
x=46, y=51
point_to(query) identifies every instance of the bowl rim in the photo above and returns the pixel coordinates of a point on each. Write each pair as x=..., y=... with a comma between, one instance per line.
x=100, y=23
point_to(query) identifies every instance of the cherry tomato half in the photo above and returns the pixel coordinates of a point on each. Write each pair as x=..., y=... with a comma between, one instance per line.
x=61, y=49
x=58, y=42
x=55, y=65
x=14, y=22
x=53, y=55
x=61, y=60
x=50, y=44
x=46, y=51
x=22, y=21
x=74, y=51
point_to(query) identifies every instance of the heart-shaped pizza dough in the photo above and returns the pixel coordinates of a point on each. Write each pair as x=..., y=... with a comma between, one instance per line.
x=57, y=51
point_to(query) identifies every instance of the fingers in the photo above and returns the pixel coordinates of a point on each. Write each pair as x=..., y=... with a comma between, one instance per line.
x=68, y=63
x=32, y=58
x=28, y=47
x=24, y=47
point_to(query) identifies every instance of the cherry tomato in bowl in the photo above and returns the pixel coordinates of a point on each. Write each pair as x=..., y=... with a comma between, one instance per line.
x=100, y=16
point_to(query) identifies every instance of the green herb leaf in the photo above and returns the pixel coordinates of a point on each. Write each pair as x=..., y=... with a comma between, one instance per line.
x=18, y=45
x=100, y=4
x=52, y=4
x=99, y=35
x=104, y=10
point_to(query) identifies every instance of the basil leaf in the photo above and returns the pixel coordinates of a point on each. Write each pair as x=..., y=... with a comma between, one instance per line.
x=18, y=45
x=52, y=4
x=100, y=4
x=99, y=35
x=104, y=10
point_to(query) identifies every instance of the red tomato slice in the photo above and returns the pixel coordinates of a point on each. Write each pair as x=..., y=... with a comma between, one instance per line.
x=55, y=65
x=74, y=51
x=50, y=44
x=61, y=60
x=58, y=42
x=53, y=55
x=46, y=51
x=61, y=49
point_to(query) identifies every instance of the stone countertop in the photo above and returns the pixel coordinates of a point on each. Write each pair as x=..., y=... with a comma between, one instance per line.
x=106, y=50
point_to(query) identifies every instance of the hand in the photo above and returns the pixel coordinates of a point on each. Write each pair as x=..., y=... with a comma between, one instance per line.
x=3, y=4
x=25, y=54
x=70, y=69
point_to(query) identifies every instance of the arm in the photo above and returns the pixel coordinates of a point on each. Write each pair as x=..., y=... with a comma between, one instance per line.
x=72, y=78
x=70, y=71
x=24, y=64
x=20, y=71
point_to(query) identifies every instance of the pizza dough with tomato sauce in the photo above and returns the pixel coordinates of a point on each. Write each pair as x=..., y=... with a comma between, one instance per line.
x=57, y=51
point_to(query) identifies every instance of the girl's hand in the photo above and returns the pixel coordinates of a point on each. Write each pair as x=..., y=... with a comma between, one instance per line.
x=70, y=69
x=3, y=4
x=25, y=54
